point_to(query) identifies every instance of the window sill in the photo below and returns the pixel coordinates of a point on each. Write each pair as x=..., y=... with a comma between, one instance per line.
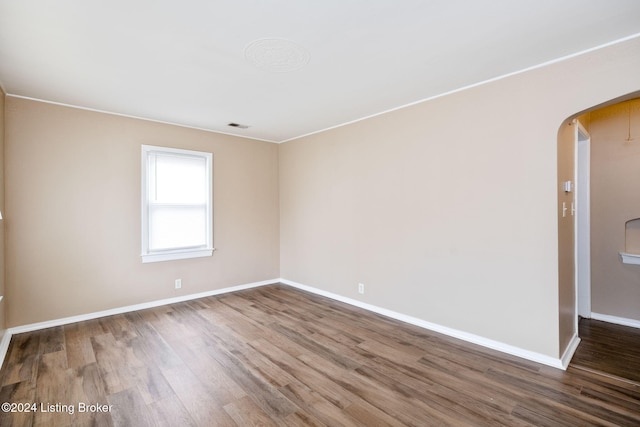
x=171, y=256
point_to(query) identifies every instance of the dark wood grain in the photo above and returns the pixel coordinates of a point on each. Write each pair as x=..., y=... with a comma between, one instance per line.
x=276, y=356
x=609, y=349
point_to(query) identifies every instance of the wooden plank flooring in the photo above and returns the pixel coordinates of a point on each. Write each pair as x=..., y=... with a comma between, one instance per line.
x=608, y=348
x=276, y=356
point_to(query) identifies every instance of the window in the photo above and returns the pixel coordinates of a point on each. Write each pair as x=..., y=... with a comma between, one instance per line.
x=176, y=204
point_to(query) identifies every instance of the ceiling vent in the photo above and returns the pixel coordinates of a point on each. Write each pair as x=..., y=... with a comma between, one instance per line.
x=238, y=125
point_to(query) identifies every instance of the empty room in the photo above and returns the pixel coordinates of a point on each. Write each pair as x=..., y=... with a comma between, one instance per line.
x=337, y=213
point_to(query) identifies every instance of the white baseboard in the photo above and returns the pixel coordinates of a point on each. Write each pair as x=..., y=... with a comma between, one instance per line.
x=617, y=320
x=570, y=351
x=455, y=333
x=465, y=336
x=4, y=344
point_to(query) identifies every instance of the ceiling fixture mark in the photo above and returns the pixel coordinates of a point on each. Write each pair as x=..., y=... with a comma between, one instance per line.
x=276, y=55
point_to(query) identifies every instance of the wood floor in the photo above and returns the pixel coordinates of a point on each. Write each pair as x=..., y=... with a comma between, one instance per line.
x=278, y=356
x=610, y=349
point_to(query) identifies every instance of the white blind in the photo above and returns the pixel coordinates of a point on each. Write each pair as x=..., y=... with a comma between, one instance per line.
x=177, y=227
x=178, y=178
x=176, y=203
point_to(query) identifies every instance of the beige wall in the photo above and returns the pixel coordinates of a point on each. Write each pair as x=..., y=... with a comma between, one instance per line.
x=566, y=233
x=73, y=212
x=615, y=186
x=447, y=210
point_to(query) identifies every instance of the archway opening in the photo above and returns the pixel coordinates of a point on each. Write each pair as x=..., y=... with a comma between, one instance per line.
x=603, y=159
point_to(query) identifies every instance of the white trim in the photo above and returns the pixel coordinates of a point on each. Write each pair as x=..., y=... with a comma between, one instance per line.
x=129, y=116
x=465, y=336
x=455, y=333
x=4, y=345
x=616, y=320
x=176, y=255
x=6, y=338
x=149, y=152
x=582, y=240
x=570, y=351
x=129, y=308
x=471, y=86
x=628, y=258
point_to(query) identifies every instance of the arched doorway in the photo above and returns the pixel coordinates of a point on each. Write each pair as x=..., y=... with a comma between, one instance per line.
x=606, y=159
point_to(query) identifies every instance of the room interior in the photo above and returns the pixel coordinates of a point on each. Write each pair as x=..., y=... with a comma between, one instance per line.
x=443, y=198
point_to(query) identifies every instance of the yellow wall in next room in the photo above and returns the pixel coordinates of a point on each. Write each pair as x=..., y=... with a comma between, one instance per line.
x=615, y=185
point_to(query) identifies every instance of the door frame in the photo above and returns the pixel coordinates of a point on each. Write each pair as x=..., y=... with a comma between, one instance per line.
x=583, y=222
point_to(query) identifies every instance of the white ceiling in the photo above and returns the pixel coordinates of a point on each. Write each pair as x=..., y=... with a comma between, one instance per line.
x=184, y=61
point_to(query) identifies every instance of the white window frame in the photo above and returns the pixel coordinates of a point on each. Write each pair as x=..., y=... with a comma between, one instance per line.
x=149, y=255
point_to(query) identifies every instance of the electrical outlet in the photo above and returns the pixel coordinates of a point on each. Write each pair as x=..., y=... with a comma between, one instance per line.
x=178, y=283
x=361, y=288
